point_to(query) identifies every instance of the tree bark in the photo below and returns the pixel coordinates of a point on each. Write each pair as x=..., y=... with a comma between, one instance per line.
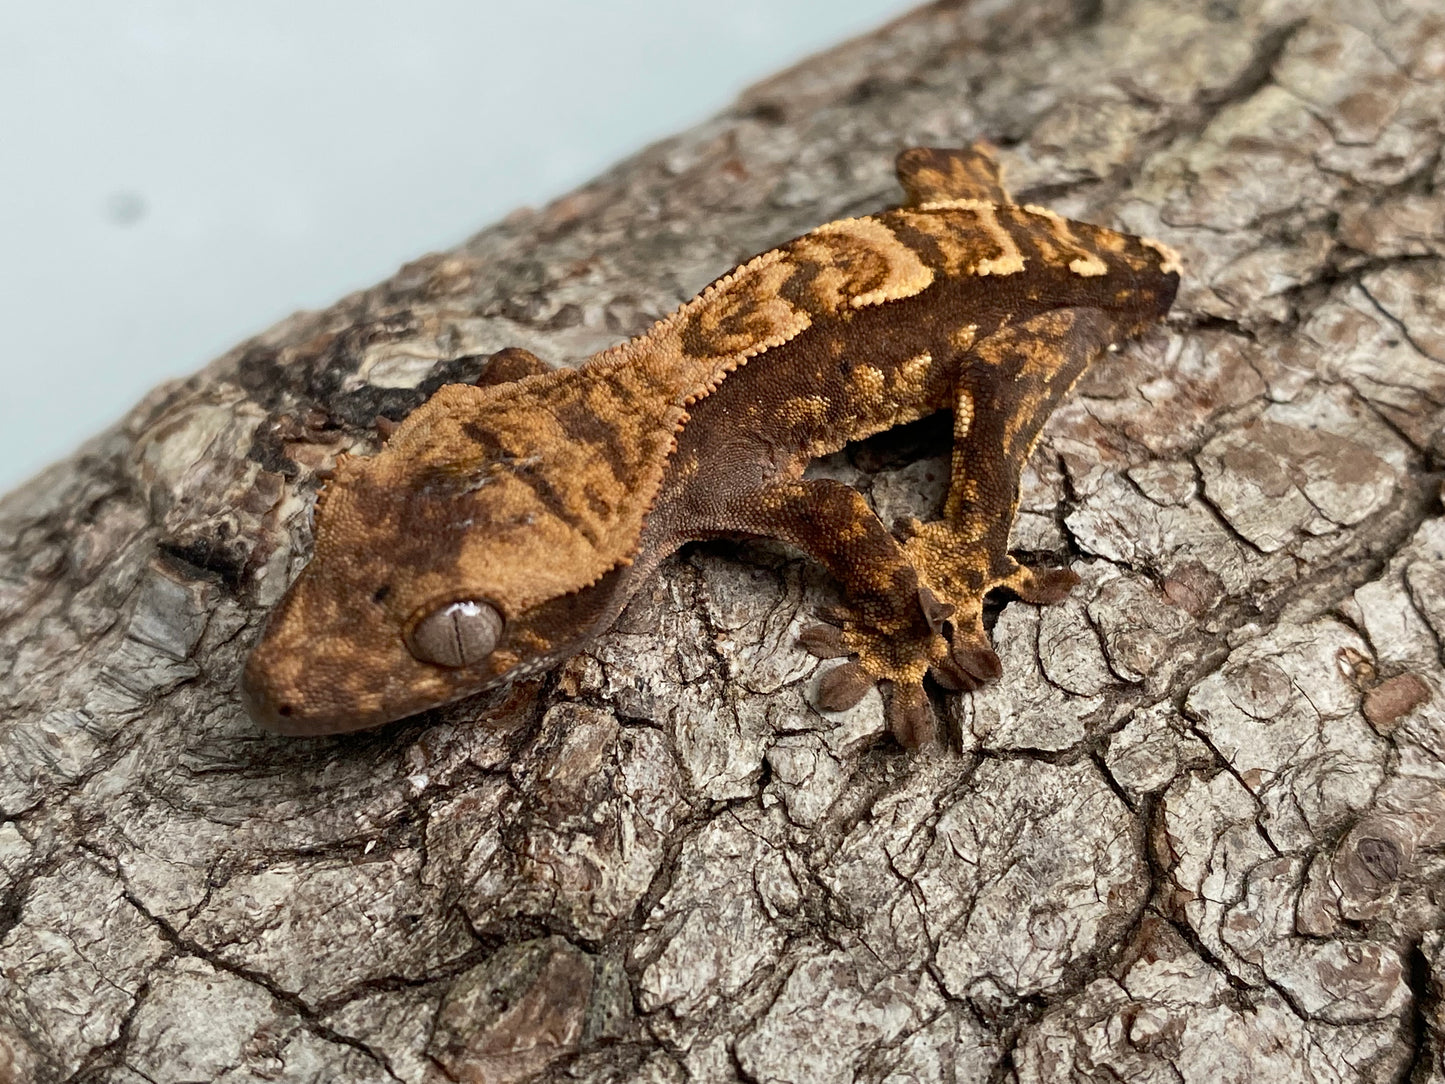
x=1194, y=834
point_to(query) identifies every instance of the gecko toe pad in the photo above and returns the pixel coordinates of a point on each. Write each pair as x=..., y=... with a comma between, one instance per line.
x=1042, y=586
x=843, y=686
x=976, y=660
x=910, y=716
x=823, y=641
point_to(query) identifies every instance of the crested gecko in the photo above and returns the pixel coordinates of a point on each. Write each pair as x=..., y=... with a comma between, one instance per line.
x=504, y=525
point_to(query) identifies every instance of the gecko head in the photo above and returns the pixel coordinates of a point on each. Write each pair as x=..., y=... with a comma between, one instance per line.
x=451, y=562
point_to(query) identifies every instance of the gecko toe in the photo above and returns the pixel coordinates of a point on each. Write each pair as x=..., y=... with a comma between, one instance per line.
x=935, y=610
x=835, y=615
x=910, y=716
x=509, y=365
x=950, y=676
x=823, y=641
x=977, y=660
x=1042, y=586
x=843, y=686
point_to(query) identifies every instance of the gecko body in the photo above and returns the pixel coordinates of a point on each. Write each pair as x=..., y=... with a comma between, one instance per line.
x=502, y=527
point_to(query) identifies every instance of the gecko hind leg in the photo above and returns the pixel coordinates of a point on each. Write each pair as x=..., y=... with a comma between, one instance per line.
x=1007, y=387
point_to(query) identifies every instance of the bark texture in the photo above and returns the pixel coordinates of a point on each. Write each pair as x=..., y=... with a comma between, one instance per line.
x=1197, y=833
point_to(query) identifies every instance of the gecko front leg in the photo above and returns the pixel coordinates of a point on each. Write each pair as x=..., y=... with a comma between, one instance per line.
x=892, y=626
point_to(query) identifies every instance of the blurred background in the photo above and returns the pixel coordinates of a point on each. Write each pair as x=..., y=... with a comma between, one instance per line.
x=175, y=176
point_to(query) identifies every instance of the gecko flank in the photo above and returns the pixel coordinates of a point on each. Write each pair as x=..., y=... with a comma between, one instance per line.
x=503, y=526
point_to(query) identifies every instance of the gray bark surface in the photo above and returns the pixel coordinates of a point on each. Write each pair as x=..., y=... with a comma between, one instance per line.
x=1197, y=833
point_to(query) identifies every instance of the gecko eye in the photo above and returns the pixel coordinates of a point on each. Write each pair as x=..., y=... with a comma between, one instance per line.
x=458, y=634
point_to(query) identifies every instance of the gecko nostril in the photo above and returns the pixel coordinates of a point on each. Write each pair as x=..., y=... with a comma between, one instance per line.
x=260, y=704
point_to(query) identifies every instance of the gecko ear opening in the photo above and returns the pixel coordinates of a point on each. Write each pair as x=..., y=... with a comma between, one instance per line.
x=456, y=635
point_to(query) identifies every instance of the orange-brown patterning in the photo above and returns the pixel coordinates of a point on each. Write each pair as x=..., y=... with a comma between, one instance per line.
x=503, y=526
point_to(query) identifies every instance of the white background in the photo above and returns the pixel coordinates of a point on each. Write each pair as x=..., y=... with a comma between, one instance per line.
x=177, y=175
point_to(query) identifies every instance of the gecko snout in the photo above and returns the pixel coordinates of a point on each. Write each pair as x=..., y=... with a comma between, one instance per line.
x=261, y=703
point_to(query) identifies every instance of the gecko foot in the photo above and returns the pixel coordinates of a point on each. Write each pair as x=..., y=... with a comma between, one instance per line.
x=896, y=662
x=972, y=662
